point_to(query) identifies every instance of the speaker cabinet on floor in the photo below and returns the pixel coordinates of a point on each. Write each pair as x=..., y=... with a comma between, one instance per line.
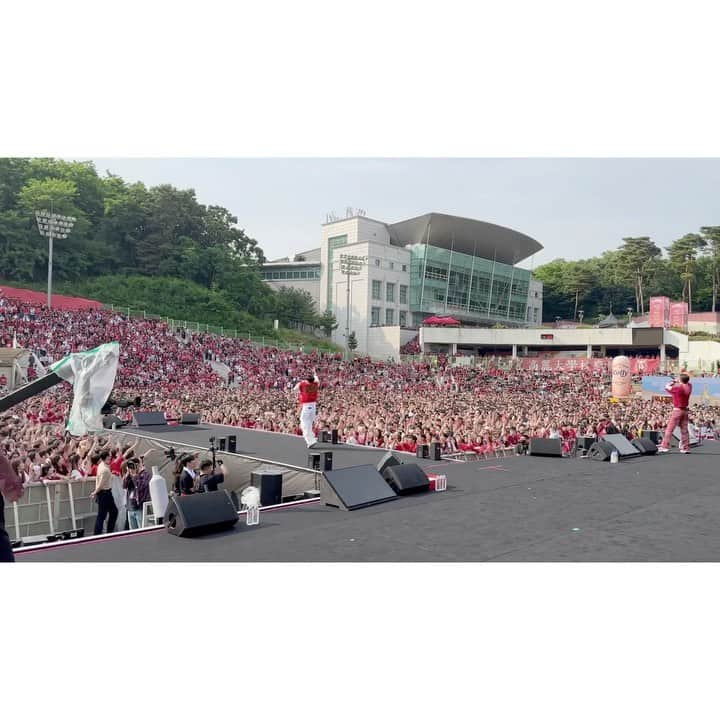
x=354, y=488
x=386, y=461
x=109, y=420
x=222, y=444
x=190, y=419
x=270, y=483
x=435, y=451
x=146, y=419
x=407, y=479
x=645, y=446
x=232, y=443
x=193, y=515
x=545, y=447
x=692, y=435
x=624, y=447
x=600, y=450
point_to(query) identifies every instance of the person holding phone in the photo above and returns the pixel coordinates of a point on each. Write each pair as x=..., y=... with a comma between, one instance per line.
x=680, y=389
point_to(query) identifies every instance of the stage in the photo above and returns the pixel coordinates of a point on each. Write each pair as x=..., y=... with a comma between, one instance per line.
x=519, y=508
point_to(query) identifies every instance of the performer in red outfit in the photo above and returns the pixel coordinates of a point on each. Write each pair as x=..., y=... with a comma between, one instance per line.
x=308, y=392
x=680, y=392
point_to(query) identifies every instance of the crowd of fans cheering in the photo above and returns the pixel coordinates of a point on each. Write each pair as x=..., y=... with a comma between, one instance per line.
x=388, y=405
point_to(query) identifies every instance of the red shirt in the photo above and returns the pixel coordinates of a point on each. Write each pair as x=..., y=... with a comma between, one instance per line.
x=680, y=394
x=116, y=465
x=308, y=392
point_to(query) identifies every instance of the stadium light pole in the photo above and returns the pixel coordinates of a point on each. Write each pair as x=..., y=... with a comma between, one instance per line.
x=350, y=265
x=52, y=225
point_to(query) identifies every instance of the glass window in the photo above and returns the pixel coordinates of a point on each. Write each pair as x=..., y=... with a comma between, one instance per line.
x=404, y=268
x=303, y=275
x=403, y=318
x=389, y=317
x=375, y=316
x=390, y=292
x=376, y=290
x=403, y=295
x=392, y=265
x=377, y=263
x=276, y=276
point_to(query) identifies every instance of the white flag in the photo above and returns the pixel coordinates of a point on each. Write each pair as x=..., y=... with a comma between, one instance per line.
x=92, y=375
x=14, y=339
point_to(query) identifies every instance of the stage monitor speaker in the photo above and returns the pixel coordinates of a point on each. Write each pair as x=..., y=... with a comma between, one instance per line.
x=691, y=433
x=407, y=479
x=654, y=436
x=199, y=514
x=190, y=419
x=320, y=461
x=624, y=447
x=422, y=451
x=222, y=444
x=232, y=443
x=354, y=488
x=434, y=451
x=545, y=447
x=386, y=461
x=600, y=450
x=148, y=419
x=109, y=420
x=645, y=446
x=270, y=484
x=584, y=442
x=334, y=437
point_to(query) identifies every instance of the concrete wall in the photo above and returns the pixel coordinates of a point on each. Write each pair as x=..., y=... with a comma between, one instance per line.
x=523, y=336
x=384, y=342
x=701, y=355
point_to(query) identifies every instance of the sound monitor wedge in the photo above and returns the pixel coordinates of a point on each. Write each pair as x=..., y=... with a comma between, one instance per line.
x=354, y=488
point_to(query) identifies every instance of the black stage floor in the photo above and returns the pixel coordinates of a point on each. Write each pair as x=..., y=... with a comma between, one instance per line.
x=662, y=508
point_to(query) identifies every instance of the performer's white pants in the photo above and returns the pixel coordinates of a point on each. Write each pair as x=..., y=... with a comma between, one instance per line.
x=307, y=418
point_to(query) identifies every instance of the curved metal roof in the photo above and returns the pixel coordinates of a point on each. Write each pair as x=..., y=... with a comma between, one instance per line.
x=473, y=237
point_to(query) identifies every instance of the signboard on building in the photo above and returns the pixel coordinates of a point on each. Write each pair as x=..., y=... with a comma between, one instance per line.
x=660, y=312
x=679, y=315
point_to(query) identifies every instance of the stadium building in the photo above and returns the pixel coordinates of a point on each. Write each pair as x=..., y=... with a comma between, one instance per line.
x=434, y=264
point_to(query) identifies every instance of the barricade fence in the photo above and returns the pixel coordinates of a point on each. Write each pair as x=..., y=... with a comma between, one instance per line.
x=63, y=505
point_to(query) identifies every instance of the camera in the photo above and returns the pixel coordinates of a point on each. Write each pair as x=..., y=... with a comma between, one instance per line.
x=170, y=454
x=212, y=440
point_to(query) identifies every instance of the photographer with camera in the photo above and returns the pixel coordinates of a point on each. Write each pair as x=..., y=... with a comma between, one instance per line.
x=209, y=479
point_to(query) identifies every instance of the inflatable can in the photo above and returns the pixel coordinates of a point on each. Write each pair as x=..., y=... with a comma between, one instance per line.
x=621, y=376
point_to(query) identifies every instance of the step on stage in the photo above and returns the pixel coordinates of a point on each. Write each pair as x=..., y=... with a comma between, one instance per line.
x=650, y=508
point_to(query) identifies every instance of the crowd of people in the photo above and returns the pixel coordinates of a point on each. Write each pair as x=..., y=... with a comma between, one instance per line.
x=383, y=404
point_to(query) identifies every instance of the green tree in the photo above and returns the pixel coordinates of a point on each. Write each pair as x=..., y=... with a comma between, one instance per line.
x=683, y=255
x=328, y=323
x=635, y=264
x=580, y=281
x=295, y=307
x=711, y=245
x=352, y=341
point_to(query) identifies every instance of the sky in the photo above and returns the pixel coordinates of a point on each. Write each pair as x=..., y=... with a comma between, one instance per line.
x=575, y=208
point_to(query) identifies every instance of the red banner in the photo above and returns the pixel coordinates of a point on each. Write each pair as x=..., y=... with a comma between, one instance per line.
x=660, y=311
x=679, y=315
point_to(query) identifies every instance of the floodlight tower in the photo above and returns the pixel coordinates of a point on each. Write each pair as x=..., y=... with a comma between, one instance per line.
x=52, y=225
